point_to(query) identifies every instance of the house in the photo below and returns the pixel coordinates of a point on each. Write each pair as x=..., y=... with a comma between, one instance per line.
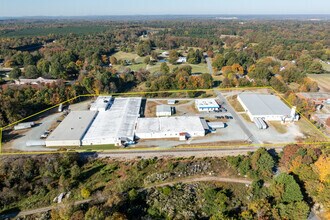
x=182, y=60
x=317, y=98
x=37, y=81
x=165, y=54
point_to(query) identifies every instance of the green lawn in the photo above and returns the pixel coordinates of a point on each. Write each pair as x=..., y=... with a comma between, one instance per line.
x=120, y=55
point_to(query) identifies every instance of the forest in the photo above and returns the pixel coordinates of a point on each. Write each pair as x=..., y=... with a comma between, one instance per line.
x=81, y=55
x=286, y=185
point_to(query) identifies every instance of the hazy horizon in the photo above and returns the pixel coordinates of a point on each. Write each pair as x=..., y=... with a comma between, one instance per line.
x=74, y=8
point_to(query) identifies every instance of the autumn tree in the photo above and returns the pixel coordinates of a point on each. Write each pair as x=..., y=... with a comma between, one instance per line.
x=322, y=168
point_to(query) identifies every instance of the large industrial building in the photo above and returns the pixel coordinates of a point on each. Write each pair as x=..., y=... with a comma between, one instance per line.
x=72, y=129
x=266, y=107
x=102, y=103
x=115, y=125
x=206, y=105
x=170, y=127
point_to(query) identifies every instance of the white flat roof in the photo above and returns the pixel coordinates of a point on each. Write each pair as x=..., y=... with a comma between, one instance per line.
x=163, y=108
x=73, y=127
x=169, y=124
x=264, y=104
x=101, y=103
x=117, y=122
x=206, y=103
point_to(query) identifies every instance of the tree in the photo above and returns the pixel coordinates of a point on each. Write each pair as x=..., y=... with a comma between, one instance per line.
x=146, y=60
x=75, y=171
x=323, y=168
x=164, y=68
x=31, y=72
x=113, y=60
x=173, y=56
x=295, y=211
x=315, y=68
x=43, y=66
x=262, y=162
x=144, y=48
x=154, y=55
x=218, y=62
x=215, y=202
x=15, y=73
x=94, y=213
x=285, y=189
x=85, y=193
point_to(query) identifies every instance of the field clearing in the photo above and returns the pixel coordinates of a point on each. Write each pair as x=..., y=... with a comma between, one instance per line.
x=311, y=133
x=323, y=80
x=133, y=67
x=120, y=55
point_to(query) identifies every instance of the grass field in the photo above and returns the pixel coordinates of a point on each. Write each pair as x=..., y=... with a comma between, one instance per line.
x=323, y=80
x=120, y=55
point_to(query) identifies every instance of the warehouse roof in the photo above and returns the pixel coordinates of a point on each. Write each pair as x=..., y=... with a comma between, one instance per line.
x=117, y=122
x=163, y=108
x=101, y=103
x=169, y=124
x=264, y=104
x=206, y=103
x=73, y=127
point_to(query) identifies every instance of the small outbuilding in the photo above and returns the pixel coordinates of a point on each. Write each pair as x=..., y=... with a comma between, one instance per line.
x=206, y=105
x=164, y=110
x=171, y=102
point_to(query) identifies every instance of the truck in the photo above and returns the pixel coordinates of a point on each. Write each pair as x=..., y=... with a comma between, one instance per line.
x=60, y=108
x=22, y=126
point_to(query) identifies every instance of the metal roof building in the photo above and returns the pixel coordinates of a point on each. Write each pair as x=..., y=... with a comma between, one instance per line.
x=163, y=110
x=206, y=105
x=265, y=106
x=169, y=127
x=72, y=129
x=115, y=124
x=101, y=103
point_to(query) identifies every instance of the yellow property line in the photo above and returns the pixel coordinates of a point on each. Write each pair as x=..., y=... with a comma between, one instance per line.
x=150, y=149
x=297, y=110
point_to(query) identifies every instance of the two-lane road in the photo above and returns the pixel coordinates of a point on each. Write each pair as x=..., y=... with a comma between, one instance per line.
x=230, y=109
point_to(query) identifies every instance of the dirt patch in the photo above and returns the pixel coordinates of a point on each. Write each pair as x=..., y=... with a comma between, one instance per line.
x=150, y=110
x=279, y=127
x=235, y=103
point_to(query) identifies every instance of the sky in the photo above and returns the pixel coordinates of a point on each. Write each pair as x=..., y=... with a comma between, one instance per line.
x=14, y=8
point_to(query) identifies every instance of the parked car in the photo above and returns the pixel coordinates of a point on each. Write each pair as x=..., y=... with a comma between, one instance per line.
x=43, y=136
